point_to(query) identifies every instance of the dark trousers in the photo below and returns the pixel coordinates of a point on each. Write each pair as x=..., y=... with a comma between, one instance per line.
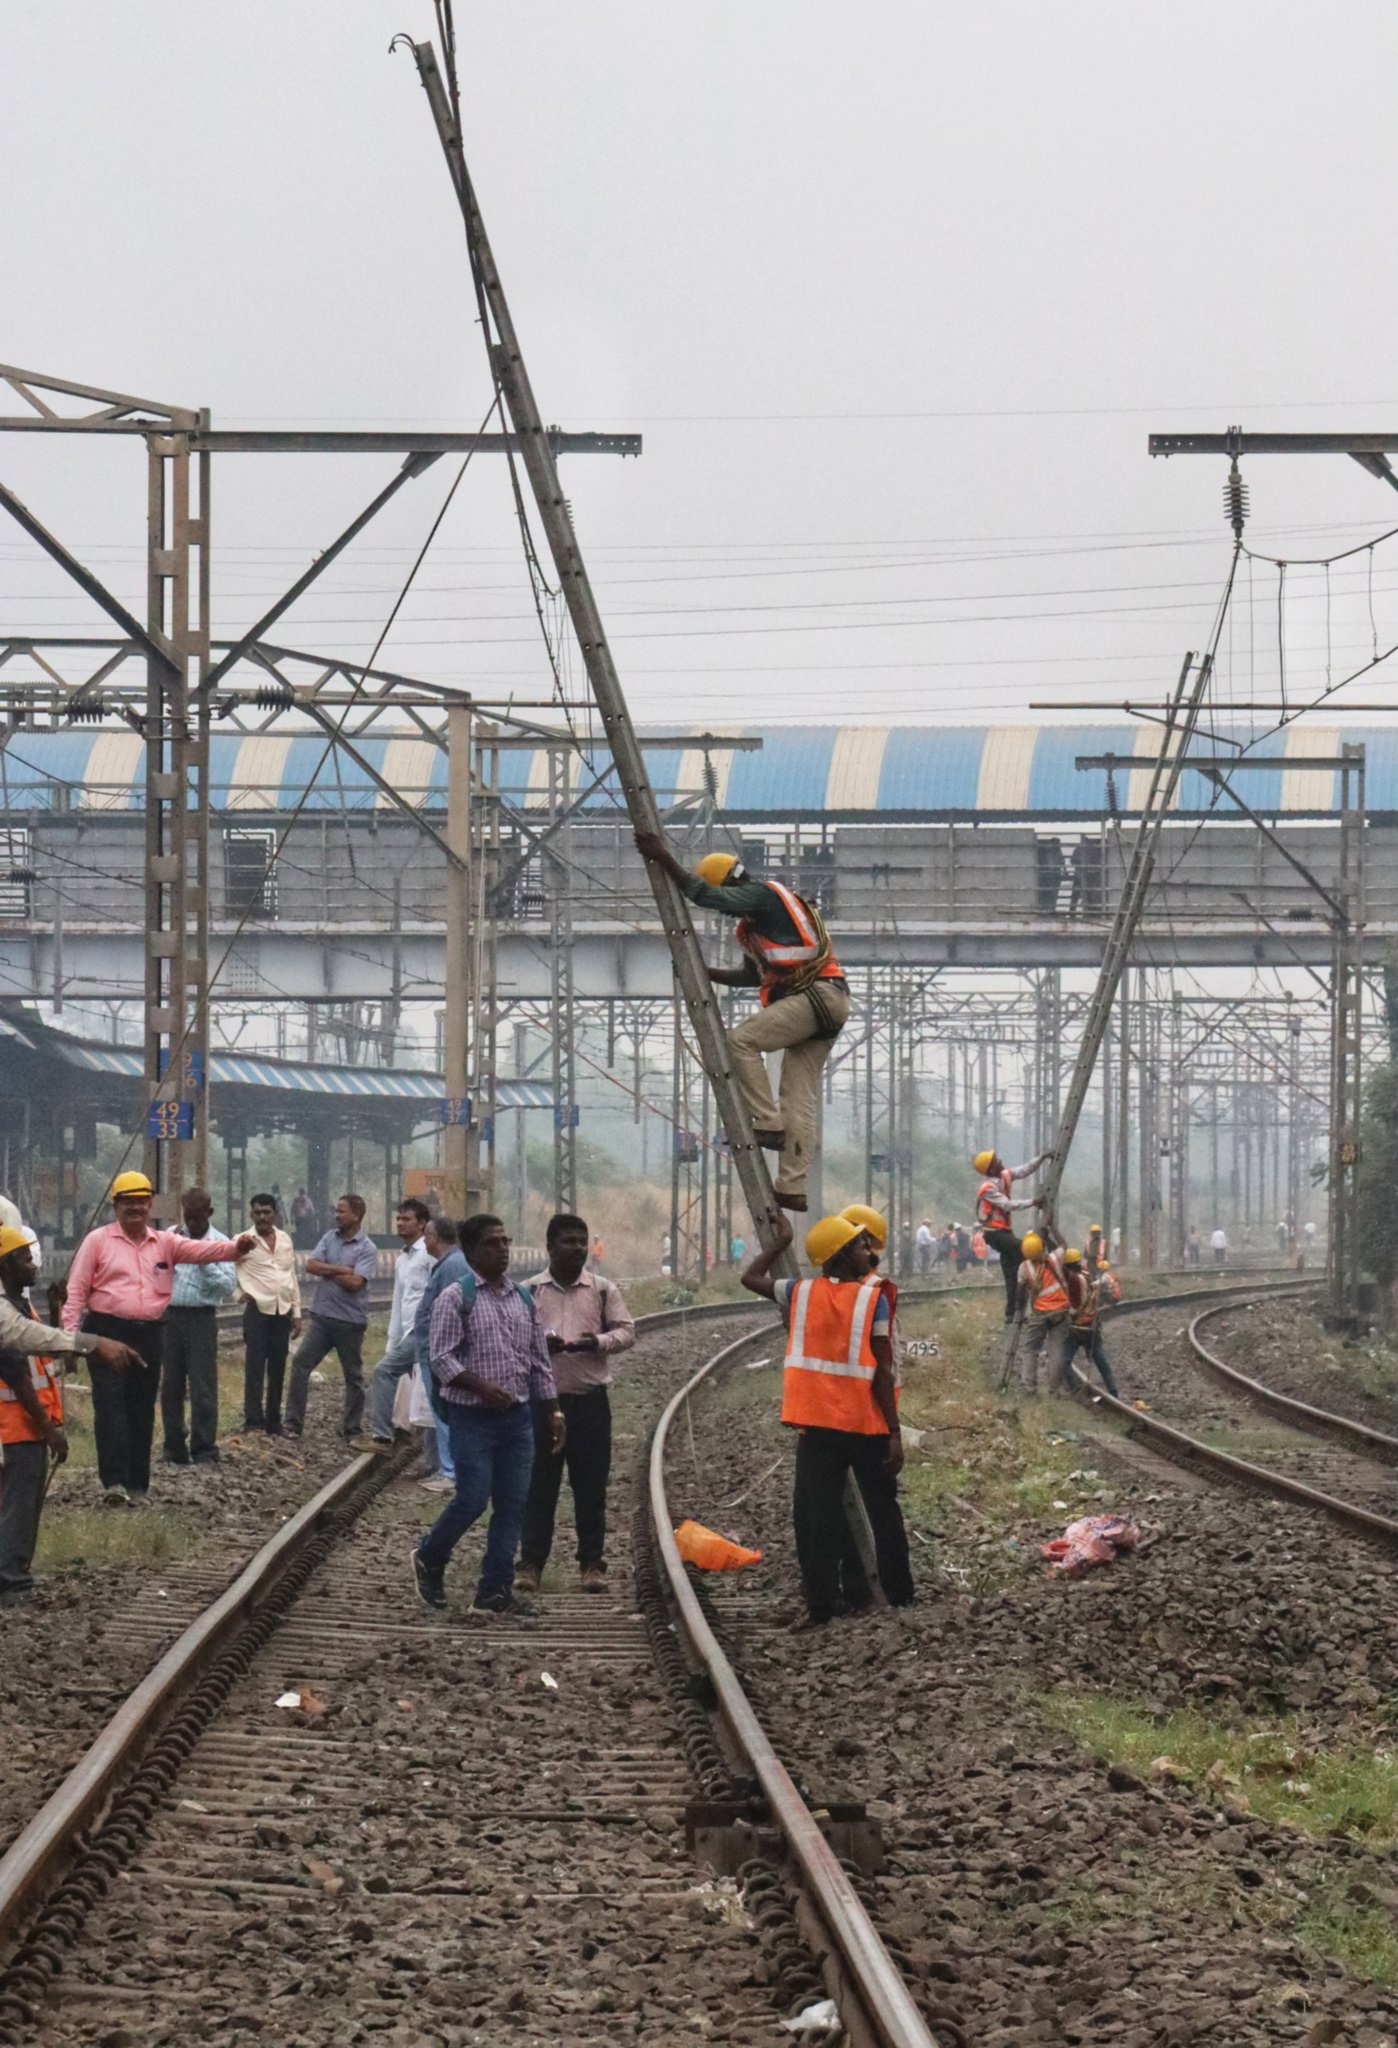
x=823, y=1458
x=324, y=1335
x=266, y=1341
x=21, y=1503
x=492, y=1453
x=1007, y=1247
x=587, y=1455
x=1090, y=1341
x=123, y=1403
x=190, y=1364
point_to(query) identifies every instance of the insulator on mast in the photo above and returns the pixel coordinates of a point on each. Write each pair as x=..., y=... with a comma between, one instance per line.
x=1235, y=501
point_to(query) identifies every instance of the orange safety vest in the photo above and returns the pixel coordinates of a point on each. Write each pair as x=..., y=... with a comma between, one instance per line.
x=1052, y=1284
x=786, y=965
x=15, y=1425
x=1109, y=1285
x=993, y=1202
x=1086, y=1314
x=829, y=1376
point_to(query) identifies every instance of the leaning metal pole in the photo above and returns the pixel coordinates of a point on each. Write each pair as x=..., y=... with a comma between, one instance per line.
x=1180, y=723
x=507, y=362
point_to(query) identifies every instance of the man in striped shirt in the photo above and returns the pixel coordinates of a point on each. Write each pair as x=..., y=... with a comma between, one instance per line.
x=488, y=1355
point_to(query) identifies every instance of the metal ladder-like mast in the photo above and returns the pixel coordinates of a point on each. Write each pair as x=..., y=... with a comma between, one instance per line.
x=1181, y=720
x=507, y=362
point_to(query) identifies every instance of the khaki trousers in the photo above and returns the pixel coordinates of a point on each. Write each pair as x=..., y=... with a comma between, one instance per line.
x=787, y=1027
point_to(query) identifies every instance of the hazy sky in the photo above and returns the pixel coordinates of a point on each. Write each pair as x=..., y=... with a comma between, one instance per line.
x=894, y=294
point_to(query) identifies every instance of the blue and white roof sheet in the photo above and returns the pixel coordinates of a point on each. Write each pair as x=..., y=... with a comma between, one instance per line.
x=854, y=771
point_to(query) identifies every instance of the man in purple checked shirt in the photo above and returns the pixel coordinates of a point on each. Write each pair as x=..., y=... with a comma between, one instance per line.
x=488, y=1356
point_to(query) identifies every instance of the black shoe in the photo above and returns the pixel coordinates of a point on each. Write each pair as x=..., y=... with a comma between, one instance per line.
x=503, y=1603
x=796, y=1203
x=770, y=1141
x=207, y=1458
x=291, y=1432
x=174, y=1457
x=430, y=1589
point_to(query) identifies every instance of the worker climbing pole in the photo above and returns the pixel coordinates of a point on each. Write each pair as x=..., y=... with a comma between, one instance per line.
x=517, y=394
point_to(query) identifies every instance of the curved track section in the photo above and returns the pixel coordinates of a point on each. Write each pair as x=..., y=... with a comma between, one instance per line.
x=874, y=2002
x=1191, y=1450
x=1302, y=1413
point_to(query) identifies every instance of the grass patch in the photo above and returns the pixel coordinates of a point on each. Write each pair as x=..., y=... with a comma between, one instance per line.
x=83, y=1536
x=1279, y=1771
x=1354, y=1933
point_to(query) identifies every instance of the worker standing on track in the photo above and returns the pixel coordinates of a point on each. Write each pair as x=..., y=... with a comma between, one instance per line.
x=411, y=1272
x=448, y=1264
x=1043, y=1289
x=492, y=1365
x=271, y=1291
x=586, y=1324
x=1085, y=1315
x=342, y=1265
x=189, y=1354
x=803, y=998
x=994, y=1210
x=119, y=1285
x=31, y=1425
x=839, y=1394
x=1095, y=1250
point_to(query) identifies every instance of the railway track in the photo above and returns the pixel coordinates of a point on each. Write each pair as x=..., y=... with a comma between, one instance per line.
x=464, y=1830
x=1209, y=1421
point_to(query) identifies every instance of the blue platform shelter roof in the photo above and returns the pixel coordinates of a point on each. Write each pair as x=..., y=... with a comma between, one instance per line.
x=863, y=772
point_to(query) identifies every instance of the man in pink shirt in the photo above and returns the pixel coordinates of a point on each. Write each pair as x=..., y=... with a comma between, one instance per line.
x=119, y=1286
x=585, y=1323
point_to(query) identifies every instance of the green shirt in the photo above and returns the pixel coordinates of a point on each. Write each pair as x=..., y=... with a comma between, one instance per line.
x=756, y=901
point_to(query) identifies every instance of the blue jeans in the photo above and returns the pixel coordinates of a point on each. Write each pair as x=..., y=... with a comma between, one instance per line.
x=492, y=1451
x=438, y=1407
x=383, y=1387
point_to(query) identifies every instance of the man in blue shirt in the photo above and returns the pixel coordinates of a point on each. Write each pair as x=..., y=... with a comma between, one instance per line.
x=342, y=1266
x=449, y=1264
x=189, y=1354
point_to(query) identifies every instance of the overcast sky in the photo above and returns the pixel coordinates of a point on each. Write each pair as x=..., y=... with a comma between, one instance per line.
x=895, y=295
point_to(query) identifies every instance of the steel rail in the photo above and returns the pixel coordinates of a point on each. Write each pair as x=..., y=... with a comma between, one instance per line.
x=30, y=1859
x=1262, y=1477
x=1316, y=1420
x=893, y=2019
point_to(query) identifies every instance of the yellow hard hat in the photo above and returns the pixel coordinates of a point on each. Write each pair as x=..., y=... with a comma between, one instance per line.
x=1031, y=1244
x=982, y=1160
x=12, y=1240
x=715, y=868
x=1072, y=1257
x=867, y=1220
x=1094, y=1230
x=131, y=1184
x=829, y=1236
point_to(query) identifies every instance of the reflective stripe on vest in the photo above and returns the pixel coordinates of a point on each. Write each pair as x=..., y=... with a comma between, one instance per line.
x=780, y=961
x=15, y=1425
x=993, y=1202
x=829, y=1374
x=1052, y=1297
x=1086, y=1316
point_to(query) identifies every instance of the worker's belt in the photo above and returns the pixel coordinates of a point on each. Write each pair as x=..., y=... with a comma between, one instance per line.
x=826, y=1027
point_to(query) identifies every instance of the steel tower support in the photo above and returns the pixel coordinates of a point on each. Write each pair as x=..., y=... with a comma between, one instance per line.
x=1346, y=1078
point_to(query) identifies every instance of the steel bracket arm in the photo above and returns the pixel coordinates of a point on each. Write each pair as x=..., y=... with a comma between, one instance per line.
x=157, y=647
x=413, y=467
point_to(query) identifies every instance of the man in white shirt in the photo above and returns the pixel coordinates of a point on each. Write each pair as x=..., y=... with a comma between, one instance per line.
x=926, y=1245
x=410, y=1276
x=271, y=1291
x=1219, y=1242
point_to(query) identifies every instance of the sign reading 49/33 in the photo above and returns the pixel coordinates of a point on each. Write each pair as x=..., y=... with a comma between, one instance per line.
x=168, y=1121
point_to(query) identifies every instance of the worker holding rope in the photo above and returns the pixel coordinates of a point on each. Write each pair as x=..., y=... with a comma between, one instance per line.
x=802, y=993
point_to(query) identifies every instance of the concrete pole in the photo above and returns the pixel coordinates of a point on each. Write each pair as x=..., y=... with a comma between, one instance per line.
x=458, y=1196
